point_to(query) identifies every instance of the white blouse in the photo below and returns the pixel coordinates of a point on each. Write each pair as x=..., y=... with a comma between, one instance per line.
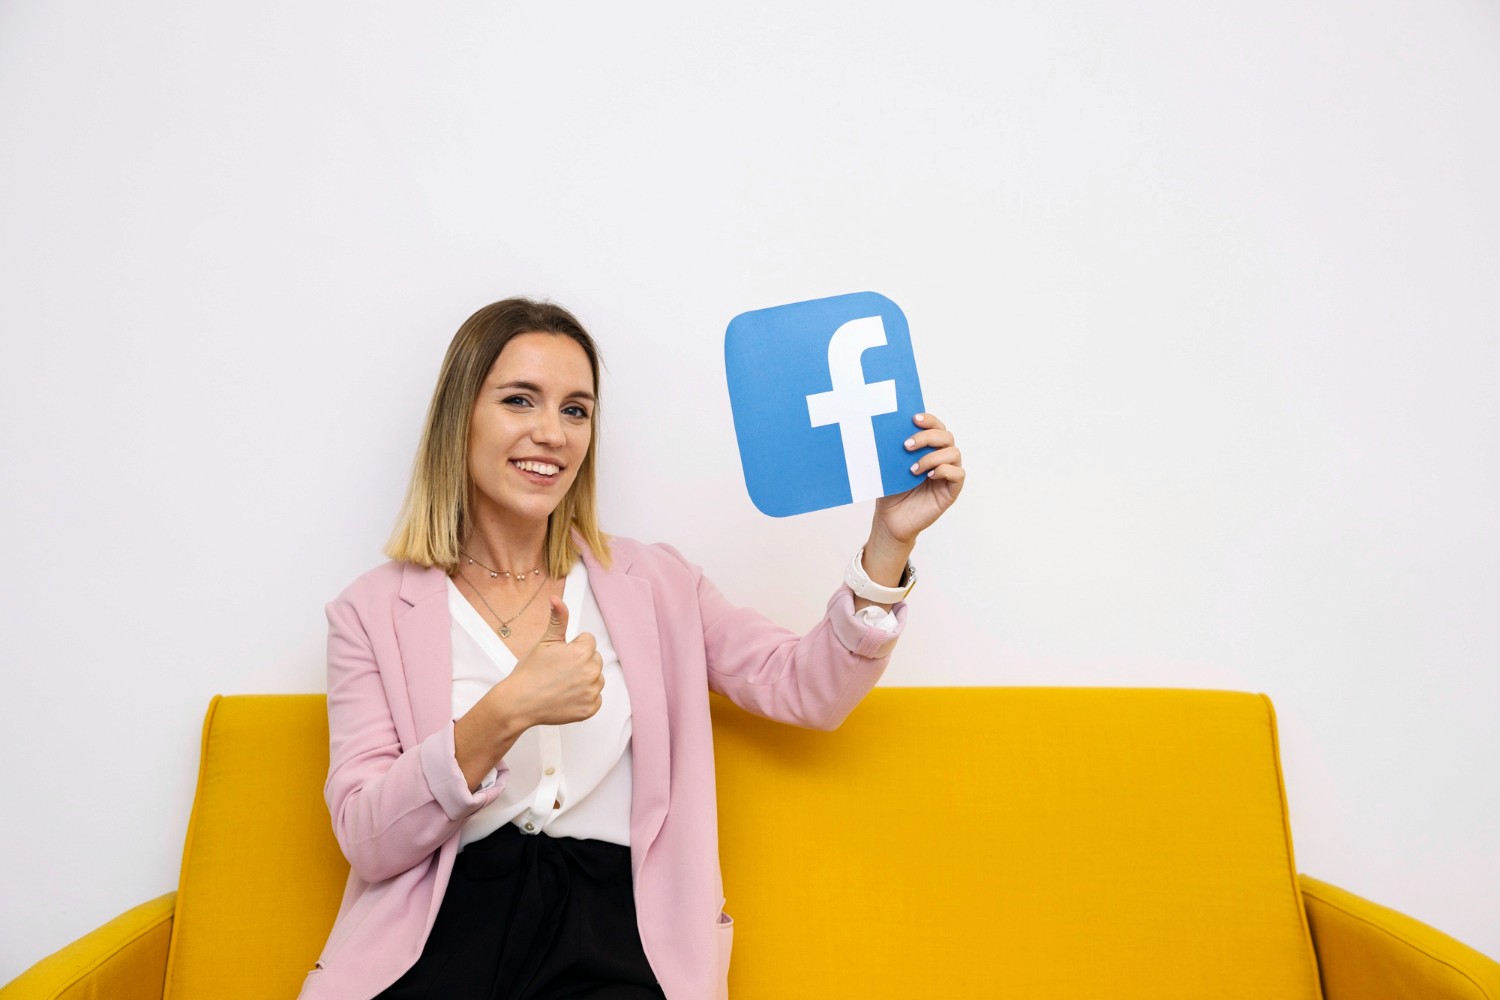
x=566, y=781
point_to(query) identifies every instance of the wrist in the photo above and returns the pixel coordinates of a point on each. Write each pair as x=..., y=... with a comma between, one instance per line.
x=885, y=558
x=505, y=712
x=868, y=590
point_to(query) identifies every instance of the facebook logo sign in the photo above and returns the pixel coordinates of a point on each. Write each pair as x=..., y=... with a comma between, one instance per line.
x=823, y=393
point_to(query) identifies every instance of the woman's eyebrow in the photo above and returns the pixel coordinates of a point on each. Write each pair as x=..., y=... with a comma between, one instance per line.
x=533, y=387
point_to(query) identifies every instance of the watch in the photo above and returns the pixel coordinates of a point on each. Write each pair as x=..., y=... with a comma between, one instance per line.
x=859, y=581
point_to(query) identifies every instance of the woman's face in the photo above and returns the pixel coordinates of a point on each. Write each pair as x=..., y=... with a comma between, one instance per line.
x=530, y=427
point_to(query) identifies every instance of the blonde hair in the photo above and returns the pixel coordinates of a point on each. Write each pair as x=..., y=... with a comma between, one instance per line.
x=435, y=515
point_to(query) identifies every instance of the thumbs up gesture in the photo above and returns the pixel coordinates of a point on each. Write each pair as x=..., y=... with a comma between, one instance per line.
x=558, y=681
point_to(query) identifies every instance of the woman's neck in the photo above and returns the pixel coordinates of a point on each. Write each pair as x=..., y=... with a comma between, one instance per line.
x=512, y=548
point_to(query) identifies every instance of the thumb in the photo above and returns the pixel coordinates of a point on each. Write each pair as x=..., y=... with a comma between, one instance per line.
x=557, y=624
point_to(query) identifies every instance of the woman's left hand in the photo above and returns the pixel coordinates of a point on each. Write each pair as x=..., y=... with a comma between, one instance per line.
x=905, y=515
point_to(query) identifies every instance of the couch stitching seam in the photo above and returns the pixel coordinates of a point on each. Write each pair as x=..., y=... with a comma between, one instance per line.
x=1483, y=991
x=102, y=959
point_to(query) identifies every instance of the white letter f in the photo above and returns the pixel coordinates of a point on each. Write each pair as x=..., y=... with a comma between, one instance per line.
x=853, y=401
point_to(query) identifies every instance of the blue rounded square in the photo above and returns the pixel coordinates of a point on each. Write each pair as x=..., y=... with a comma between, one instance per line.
x=823, y=394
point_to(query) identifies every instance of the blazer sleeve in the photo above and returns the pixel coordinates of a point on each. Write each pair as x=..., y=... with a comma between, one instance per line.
x=391, y=807
x=811, y=680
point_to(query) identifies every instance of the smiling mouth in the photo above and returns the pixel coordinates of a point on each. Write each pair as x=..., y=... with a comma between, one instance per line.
x=538, y=468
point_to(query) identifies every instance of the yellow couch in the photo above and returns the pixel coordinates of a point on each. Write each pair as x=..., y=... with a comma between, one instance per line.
x=945, y=842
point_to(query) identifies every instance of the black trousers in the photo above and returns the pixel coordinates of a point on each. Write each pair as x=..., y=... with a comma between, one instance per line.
x=534, y=918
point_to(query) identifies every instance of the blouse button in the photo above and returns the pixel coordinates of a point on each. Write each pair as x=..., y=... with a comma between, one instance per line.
x=530, y=826
x=549, y=770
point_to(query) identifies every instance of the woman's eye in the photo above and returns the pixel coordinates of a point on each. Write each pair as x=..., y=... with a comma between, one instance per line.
x=516, y=401
x=576, y=411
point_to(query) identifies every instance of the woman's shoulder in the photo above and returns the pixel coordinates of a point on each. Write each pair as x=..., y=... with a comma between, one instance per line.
x=657, y=560
x=649, y=555
x=391, y=580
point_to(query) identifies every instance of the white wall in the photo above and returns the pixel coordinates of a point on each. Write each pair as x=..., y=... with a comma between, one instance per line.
x=1209, y=295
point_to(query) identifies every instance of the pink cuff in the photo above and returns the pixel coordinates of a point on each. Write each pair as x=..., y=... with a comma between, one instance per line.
x=857, y=637
x=446, y=781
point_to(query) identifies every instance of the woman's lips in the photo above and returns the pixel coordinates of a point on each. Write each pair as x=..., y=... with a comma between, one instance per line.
x=535, y=471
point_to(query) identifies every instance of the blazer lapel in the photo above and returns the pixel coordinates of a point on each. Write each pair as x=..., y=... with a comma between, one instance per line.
x=426, y=644
x=629, y=612
x=425, y=640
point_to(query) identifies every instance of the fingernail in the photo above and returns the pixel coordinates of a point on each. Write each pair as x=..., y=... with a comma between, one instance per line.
x=920, y=417
x=914, y=466
x=911, y=442
x=931, y=473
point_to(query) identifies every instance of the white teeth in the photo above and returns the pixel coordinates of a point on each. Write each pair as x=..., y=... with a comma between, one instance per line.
x=540, y=468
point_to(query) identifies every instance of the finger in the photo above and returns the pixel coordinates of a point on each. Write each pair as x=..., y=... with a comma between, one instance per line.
x=929, y=422
x=929, y=439
x=557, y=624
x=954, y=474
x=933, y=459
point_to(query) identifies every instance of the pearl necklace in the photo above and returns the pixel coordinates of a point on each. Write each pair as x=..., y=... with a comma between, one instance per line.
x=497, y=573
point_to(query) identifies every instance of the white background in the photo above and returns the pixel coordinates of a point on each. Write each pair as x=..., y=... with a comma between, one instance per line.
x=1208, y=292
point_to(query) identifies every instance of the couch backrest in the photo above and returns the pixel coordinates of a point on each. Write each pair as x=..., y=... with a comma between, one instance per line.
x=945, y=842
x=261, y=873
x=1028, y=843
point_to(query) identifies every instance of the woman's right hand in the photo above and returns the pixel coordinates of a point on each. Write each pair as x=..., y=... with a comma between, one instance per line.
x=558, y=681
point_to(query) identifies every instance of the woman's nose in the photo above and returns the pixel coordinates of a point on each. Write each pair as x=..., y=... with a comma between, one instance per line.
x=548, y=429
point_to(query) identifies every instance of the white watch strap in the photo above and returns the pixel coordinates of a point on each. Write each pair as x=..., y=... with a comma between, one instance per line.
x=859, y=581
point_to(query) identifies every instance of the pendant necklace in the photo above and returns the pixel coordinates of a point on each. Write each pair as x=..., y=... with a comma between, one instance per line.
x=504, y=627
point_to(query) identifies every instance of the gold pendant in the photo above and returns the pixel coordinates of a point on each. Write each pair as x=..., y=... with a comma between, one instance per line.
x=504, y=631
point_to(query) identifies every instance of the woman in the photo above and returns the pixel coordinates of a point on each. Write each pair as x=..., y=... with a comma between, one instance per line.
x=521, y=759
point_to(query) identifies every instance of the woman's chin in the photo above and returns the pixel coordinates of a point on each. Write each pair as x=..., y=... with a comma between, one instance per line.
x=518, y=510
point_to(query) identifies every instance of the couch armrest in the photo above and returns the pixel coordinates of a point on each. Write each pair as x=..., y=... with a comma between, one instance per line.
x=126, y=959
x=1369, y=952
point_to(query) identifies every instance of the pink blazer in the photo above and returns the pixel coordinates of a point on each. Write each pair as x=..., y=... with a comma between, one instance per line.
x=398, y=799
